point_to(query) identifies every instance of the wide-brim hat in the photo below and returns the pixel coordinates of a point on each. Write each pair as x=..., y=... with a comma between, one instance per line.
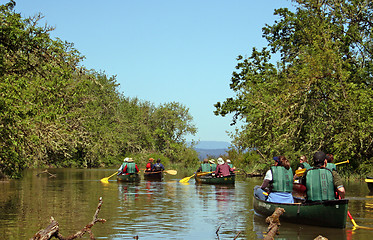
x=130, y=160
x=212, y=161
x=126, y=159
x=228, y=161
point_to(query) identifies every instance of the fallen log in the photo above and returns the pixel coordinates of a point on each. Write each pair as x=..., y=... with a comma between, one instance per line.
x=52, y=230
x=273, y=223
x=46, y=171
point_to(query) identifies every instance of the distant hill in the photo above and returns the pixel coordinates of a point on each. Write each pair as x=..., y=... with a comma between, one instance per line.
x=212, y=145
x=211, y=148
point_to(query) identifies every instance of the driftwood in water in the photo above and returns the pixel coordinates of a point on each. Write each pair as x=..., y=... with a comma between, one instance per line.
x=46, y=171
x=274, y=223
x=52, y=230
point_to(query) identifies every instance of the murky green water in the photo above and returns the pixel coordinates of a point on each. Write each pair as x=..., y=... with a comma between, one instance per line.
x=153, y=210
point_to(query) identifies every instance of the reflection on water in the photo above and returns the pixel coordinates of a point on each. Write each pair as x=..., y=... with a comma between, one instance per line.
x=153, y=209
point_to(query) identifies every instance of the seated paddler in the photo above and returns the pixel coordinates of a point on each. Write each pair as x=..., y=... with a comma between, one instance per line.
x=277, y=185
x=322, y=183
x=205, y=166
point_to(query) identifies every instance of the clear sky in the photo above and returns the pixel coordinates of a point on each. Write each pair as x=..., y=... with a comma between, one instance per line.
x=164, y=50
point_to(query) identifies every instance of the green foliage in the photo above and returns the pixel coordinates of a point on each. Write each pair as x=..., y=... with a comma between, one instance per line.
x=319, y=95
x=54, y=112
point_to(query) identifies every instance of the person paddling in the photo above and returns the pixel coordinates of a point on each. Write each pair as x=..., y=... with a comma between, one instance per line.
x=205, y=166
x=149, y=165
x=279, y=181
x=322, y=183
x=120, y=169
x=222, y=170
x=330, y=165
x=158, y=166
x=130, y=168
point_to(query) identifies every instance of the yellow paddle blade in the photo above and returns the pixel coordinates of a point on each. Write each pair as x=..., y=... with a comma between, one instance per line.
x=106, y=179
x=369, y=180
x=300, y=172
x=186, y=179
x=171, y=172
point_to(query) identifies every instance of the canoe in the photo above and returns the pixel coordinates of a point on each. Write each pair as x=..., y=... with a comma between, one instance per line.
x=128, y=178
x=331, y=213
x=369, y=181
x=209, y=179
x=156, y=176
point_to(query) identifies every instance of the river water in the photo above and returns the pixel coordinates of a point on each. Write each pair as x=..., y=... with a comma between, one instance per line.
x=153, y=209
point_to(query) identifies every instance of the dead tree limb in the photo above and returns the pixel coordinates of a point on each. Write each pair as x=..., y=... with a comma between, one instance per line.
x=274, y=223
x=46, y=171
x=237, y=235
x=52, y=230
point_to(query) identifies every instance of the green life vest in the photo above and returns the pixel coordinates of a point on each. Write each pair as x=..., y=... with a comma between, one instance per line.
x=131, y=167
x=306, y=165
x=230, y=165
x=213, y=167
x=319, y=184
x=331, y=166
x=282, y=179
x=205, y=167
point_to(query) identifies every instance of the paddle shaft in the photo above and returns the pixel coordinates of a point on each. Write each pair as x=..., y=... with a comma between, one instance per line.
x=347, y=161
x=300, y=172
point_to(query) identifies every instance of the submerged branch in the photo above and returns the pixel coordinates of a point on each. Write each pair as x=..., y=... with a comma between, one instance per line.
x=52, y=230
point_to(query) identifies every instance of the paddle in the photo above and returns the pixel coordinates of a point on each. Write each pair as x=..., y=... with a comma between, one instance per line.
x=106, y=179
x=171, y=172
x=186, y=179
x=300, y=172
x=353, y=220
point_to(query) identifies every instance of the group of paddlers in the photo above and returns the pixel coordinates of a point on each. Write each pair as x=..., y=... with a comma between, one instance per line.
x=130, y=167
x=319, y=182
x=221, y=169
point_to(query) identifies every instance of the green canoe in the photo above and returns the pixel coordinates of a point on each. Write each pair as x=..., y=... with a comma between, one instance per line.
x=208, y=179
x=156, y=176
x=129, y=178
x=332, y=213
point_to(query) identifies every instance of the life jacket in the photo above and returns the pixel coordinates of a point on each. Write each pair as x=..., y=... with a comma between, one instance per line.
x=306, y=165
x=331, y=166
x=149, y=166
x=319, y=184
x=205, y=167
x=230, y=165
x=157, y=167
x=131, y=167
x=213, y=167
x=282, y=179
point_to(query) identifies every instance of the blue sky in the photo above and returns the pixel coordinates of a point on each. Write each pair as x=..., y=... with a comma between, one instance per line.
x=164, y=50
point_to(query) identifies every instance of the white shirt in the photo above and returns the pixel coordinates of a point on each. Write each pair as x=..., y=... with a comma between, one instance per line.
x=268, y=175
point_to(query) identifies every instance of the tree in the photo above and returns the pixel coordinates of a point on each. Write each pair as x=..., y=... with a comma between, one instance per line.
x=319, y=95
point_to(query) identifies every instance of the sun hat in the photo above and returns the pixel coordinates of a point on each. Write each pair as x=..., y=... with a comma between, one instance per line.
x=212, y=161
x=130, y=160
x=126, y=159
x=220, y=161
x=228, y=161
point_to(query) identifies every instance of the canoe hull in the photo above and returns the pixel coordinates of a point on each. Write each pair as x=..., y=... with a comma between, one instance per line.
x=208, y=179
x=128, y=178
x=331, y=213
x=155, y=176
